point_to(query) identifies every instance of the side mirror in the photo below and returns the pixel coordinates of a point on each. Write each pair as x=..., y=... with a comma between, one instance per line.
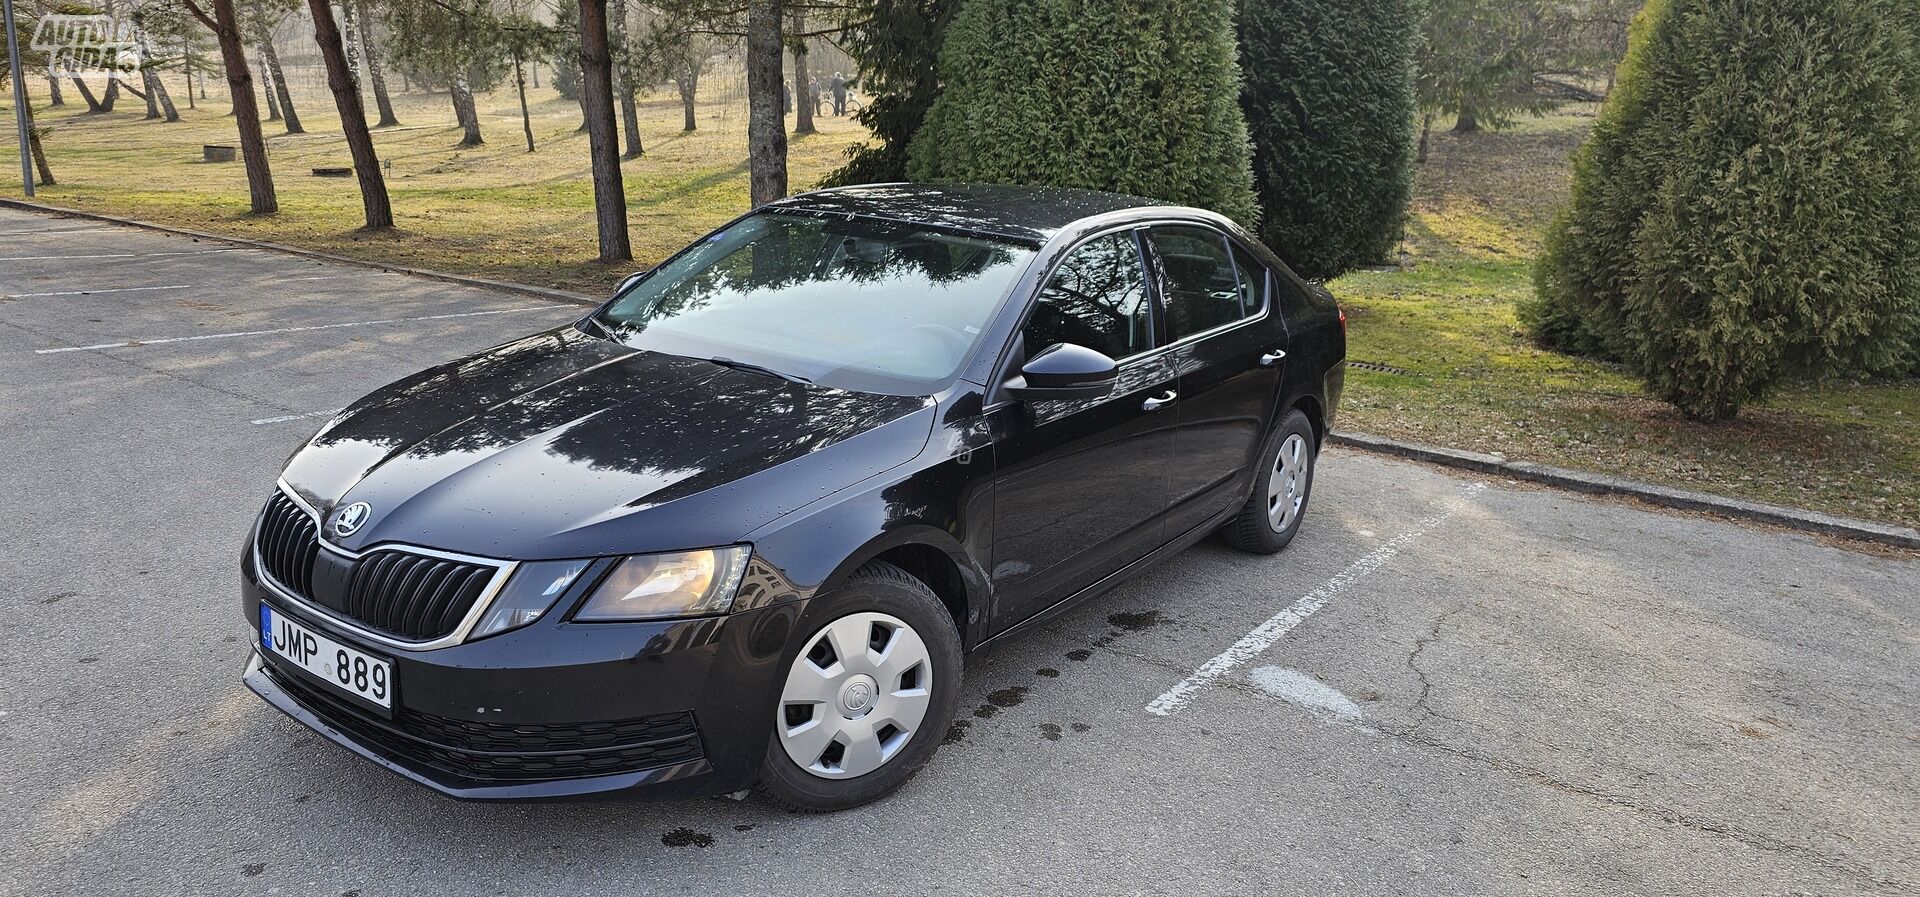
x=1064, y=371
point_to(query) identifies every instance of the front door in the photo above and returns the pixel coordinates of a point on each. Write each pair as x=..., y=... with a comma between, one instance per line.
x=1081, y=486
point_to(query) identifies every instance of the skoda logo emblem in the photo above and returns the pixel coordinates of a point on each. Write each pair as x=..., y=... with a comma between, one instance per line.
x=351, y=518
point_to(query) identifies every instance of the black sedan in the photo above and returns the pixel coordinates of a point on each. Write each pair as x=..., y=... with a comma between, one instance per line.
x=741, y=525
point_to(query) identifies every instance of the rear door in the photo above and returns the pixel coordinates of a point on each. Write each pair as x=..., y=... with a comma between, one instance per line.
x=1227, y=347
x=1081, y=486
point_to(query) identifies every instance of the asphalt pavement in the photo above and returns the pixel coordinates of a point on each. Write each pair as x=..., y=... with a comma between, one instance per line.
x=1447, y=685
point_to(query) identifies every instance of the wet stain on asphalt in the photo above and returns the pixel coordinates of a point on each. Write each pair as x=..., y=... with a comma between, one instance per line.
x=57, y=598
x=1011, y=696
x=252, y=869
x=1049, y=731
x=957, y=732
x=1079, y=654
x=1135, y=621
x=1082, y=727
x=686, y=837
x=1048, y=672
x=744, y=827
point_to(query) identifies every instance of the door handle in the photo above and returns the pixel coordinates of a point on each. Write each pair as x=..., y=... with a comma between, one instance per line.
x=1272, y=358
x=1159, y=402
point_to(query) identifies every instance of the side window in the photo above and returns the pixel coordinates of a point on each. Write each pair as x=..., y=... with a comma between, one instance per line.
x=1254, y=280
x=1203, y=291
x=1097, y=298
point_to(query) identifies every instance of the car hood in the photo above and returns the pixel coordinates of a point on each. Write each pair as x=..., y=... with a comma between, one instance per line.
x=564, y=445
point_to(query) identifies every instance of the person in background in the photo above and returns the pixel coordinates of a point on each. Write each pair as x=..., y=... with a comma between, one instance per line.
x=839, y=86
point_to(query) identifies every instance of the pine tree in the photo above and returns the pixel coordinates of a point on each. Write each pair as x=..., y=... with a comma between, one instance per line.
x=1744, y=211
x=1329, y=100
x=1138, y=97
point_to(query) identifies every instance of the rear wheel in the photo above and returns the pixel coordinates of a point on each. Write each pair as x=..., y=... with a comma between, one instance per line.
x=1273, y=512
x=867, y=695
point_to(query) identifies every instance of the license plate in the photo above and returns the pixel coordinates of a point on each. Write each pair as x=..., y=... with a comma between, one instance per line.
x=346, y=668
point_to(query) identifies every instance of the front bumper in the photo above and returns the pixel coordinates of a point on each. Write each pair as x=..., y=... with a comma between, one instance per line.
x=557, y=710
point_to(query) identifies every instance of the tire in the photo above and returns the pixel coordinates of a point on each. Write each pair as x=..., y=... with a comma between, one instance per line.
x=818, y=708
x=1263, y=525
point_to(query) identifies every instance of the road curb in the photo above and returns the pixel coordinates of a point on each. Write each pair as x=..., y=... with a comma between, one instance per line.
x=429, y=274
x=1601, y=484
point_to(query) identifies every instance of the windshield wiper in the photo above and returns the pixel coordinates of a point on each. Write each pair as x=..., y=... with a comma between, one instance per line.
x=726, y=362
x=605, y=331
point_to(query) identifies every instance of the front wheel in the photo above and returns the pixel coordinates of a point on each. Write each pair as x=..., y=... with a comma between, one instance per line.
x=1273, y=512
x=867, y=697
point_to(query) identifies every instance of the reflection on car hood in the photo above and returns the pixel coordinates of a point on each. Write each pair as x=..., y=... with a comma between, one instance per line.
x=563, y=445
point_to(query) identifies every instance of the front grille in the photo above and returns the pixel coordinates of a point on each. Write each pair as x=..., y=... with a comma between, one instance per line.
x=411, y=596
x=408, y=596
x=287, y=544
x=499, y=751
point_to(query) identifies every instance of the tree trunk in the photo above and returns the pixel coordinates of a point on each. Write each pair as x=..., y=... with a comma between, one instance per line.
x=253, y=146
x=266, y=87
x=465, y=113
x=186, y=59
x=265, y=39
x=350, y=33
x=623, y=80
x=535, y=66
x=1468, y=122
x=596, y=99
x=688, y=82
x=353, y=116
x=766, y=127
x=112, y=93
x=375, y=77
x=53, y=87
x=153, y=102
x=156, y=88
x=86, y=93
x=520, y=81
x=1426, y=131
x=39, y=152
x=802, y=89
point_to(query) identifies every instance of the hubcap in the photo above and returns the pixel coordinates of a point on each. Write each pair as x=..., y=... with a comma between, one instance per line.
x=1287, y=486
x=855, y=696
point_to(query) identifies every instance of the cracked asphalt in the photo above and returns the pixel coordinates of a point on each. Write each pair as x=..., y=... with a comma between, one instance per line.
x=1537, y=694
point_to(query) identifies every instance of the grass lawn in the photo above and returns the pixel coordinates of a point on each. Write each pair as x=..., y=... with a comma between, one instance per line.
x=1464, y=375
x=1446, y=361
x=495, y=210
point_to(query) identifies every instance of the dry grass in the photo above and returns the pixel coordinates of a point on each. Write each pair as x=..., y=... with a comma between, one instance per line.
x=494, y=210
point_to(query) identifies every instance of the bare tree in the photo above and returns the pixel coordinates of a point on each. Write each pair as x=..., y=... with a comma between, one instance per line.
x=262, y=29
x=266, y=88
x=376, y=78
x=596, y=98
x=253, y=147
x=623, y=85
x=802, y=87
x=353, y=117
x=53, y=87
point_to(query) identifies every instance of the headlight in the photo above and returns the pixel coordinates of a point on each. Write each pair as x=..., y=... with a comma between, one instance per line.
x=529, y=594
x=661, y=586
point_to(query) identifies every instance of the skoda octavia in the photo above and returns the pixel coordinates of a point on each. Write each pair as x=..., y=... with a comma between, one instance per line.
x=740, y=526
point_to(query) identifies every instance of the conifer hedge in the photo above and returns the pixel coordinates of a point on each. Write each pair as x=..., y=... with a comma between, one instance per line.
x=1747, y=210
x=1136, y=97
x=1329, y=100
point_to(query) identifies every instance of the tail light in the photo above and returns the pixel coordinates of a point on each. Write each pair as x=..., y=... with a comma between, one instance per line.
x=1343, y=321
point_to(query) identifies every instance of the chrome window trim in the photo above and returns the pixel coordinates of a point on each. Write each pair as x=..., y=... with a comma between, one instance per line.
x=1139, y=229
x=503, y=571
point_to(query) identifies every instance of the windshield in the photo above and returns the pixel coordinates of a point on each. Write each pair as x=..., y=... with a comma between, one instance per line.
x=860, y=304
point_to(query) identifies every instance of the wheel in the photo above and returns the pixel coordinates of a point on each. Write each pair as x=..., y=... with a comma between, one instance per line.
x=1273, y=512
x=867, y=696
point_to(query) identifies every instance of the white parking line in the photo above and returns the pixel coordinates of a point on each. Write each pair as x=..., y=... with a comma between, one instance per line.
x=287, y=417
x=117, y=255
x=129, y=344
x=345, y=276
x=1263, y=636
x=91, y=292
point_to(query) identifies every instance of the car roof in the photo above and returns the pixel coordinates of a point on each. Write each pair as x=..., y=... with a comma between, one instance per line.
x=1026, y=214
